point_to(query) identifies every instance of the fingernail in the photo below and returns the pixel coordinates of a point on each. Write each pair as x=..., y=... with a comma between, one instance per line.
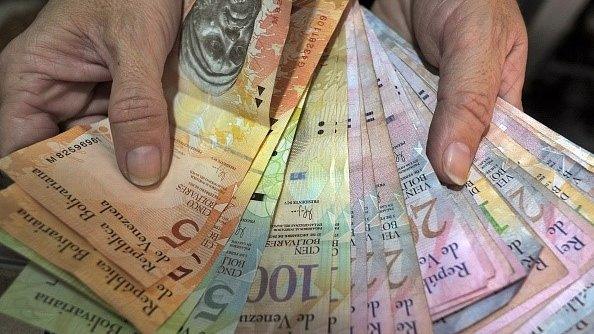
x=144, y=165
x=456, y=162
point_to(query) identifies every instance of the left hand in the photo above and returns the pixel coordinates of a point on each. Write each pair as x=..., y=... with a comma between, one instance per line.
x=480, y=48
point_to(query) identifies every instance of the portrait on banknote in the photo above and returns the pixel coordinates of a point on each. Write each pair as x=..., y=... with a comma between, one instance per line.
x=215, y=38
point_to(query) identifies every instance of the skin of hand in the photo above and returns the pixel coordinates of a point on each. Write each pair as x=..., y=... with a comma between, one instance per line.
x=480, y=49
x=81, y=60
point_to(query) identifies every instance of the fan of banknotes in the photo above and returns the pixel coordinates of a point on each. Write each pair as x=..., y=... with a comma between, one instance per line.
x=300, y=199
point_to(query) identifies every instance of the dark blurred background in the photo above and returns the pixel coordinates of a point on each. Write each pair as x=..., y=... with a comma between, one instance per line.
x=559, y=90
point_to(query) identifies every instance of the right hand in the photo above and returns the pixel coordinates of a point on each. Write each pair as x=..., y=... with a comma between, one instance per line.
x=82, y=60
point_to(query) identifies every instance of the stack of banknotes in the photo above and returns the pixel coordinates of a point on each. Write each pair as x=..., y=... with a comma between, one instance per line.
x=300, y=199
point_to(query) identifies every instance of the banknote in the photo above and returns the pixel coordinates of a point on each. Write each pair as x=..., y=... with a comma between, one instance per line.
x=548, y=164
x=250, y=230
x=313, y=21
x=69, y=286
x=562, y=176
x=504, y=221
x=340, y=296
x=110, y=215
x=312, y=25
x=40, y=262
x=408, y=302
x=225, y=64
x=492, y=138
x=523, y=295
x=434, y=214
x=170, y=325
x=510, y=228
x=291, y=289
x=30, y=223
x=507, y=269
x=359, y=320
x=379, y=308
x=227, y=285
x=533, y=210
x=300, y=75
x=42, y=300
x=565, y=310
x=210, y=158
x=226, y=226
x=584, y=325
x=570, y=181
x=318, y=20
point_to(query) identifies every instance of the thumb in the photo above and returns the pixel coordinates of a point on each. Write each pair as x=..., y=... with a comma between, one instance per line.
x=135, y=54
x=138, y=116
x=470, y=75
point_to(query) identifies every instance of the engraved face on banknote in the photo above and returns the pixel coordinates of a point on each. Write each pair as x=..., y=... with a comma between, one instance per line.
x=215, y=39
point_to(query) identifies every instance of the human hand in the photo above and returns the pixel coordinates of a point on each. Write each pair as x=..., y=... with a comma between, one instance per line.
x=81, y=60
x=480, y=49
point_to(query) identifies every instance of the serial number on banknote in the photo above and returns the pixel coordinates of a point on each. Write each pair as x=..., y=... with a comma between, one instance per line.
x=73, y=149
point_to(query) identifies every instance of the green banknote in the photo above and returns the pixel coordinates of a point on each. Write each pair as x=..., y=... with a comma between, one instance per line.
x=45, y=301
x=20, y=300
x=63, y=276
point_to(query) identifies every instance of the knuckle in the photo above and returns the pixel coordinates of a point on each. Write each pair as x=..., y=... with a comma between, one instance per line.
x=138, y=113
x=475, y=105
x=154, y=20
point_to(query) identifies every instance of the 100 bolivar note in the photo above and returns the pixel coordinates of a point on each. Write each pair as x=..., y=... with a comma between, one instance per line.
x=221, y=103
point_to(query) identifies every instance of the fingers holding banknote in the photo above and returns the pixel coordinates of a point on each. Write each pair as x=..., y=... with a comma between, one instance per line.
x=480, y=49
x=83, y=60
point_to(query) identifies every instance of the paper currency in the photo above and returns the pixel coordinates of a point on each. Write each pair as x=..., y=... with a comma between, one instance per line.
x=210, y=158
x=230, y=279
x=291, y=289
x=340, y=296
x=378, y=293
x=359, y=319
x=522, y=210
x=408, y=302
x=548, y=164
x=295, y=165
x=317, y=19
x=498, y=248
x=499, y=254
x=445, y=244
x=47, y=236
x=44, y=301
